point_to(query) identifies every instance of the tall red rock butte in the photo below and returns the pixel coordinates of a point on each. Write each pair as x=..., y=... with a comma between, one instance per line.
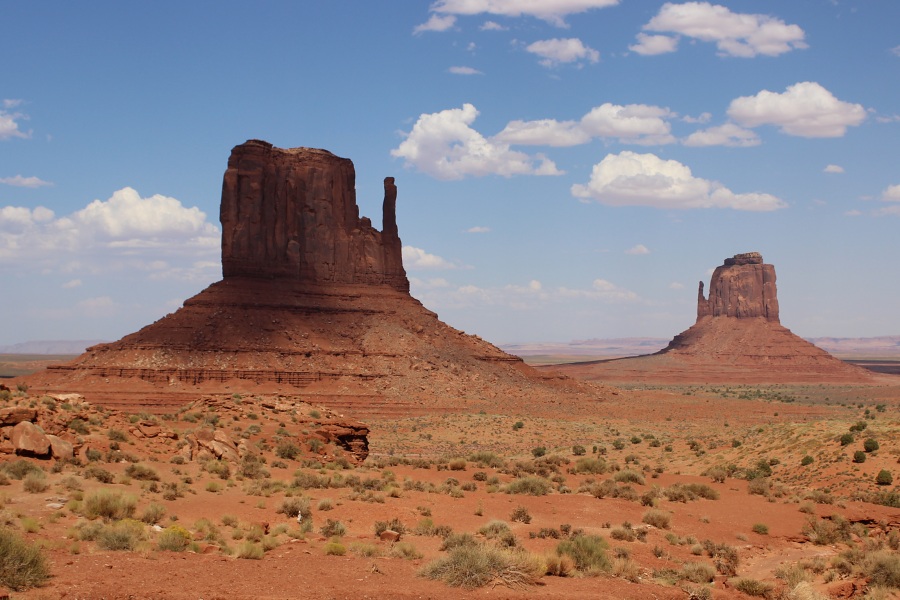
x=314, y=302
x=737, y=338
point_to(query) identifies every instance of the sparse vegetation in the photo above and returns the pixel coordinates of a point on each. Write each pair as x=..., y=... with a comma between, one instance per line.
x=22, y=565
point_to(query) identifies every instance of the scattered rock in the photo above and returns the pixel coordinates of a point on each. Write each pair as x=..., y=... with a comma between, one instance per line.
x=389, y=535
x=17, y=414
x=60, y=449
x=29, y=440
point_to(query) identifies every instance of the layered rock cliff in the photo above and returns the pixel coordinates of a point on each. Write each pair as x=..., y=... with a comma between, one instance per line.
x=743, y=287
x=292, y=214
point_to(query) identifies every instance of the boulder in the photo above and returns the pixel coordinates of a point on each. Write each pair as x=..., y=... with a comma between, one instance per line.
x=29, y=440
x=17, y=414
x=389, y=535
x=60, y=449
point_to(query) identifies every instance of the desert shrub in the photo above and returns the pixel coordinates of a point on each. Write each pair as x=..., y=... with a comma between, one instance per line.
x=79, y=426
x=588, y=553
x=18, y=469
x=623, y=533
x=759, y=486
x=293, y=506
x=365, y=550
x=697, y=572
x=394, y=524
x=806, y=460
x=484, y=459
x=538, y=451
x=174, y=539
x=846, y=439
x=870, y=445
x=761, y=528
x=724, y=557
x=476, y=566
x=35, y=482
x=629, y=476
x=333, y=528
x=657, y=518
x=752, y=587
x=521, y=514
x=579, y=450
x=717, y=474
x=252, y=467
x=406, y=551
x=108, y=505
x=884, y=477
x=121, y=535
x=859, y=456
x=533, y=486
x=558, y=565
x=250, y=551
x=683, y=492
x=117, y=435
x=827, y=531
x=456, y=540
x=518, y=425
x=593, y=466
x=883, y=568
x=334, y=548
x=98, y=473
x=859, y=426
x=457, y=464
x=141, y=472
x=287, y=450
x=618, y=444
x=153, y=513
x=22, y=565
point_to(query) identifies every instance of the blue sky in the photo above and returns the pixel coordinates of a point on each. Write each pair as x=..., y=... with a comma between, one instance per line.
x=567, y=169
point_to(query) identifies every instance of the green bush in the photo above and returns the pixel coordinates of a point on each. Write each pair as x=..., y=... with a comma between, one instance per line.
x=883, y=568
x=539, y=451
x=846, y=439
x=117, y=436
x=18, y=469
x=35, y=482
x=884, y=477
x=250, y=551
x=657, y=518
x=593, y=466
x=859, y=456
x=333, y=528
x=108, y=505
x=629, y=476
x=753, y=587
x=870, y=445
x=22, y=565
x=761, y=528
x=287, y=450
x=521, y=514
x=141, y=472
x=475, y=566
x=335, y=548
x=533, y=486
x=579, y=450
x=153, y=513
x=174, y=539
x=806, y=460
x=697, y=572
x=98, y=473
x=293, y=506
x=588, y=552
x=121, y=535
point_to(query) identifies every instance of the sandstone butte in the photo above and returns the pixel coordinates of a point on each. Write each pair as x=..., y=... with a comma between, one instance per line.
x=314, y=303
x=737, y=338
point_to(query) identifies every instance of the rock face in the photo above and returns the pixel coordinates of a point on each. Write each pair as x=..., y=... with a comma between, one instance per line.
x=737, y=338
x=743, y=287
x=314, y=304
x=292, y=214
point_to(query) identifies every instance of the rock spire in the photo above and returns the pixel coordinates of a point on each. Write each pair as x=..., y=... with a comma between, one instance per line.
x=742, y=287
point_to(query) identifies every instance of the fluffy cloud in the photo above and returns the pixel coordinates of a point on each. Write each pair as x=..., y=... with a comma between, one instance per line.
x=124, y=231
x=478, y=229
x=728, y=134
x=639, y=249
x=552, y=11
x=891, y=193
x=435, y=23
x=28, y=182
x=562, y=51
x=9, y=121
x=630, y=179
x=416, y=258
x=805, y=109
x=633, y=123
x=492, y=26
x=464, y=71
x=833, y=169
x=735, y=34
x=443, y=145
x=651, y=45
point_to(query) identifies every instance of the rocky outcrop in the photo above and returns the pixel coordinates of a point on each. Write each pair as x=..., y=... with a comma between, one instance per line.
x=29, y=440
x=292, y=213
x=743, y=287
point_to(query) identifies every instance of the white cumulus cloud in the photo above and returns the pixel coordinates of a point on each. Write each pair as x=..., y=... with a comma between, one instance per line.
x=651, y=45
x=638, y=249
x=28, y=182
x=833, y=169
x=464, y=71
x=630, y=179
x=543, y=132
x=443, y=145
x=552, y=11
x=435, y=23
x=9, y=121
x=562, y=51
x=728, y=134
x=417, y=258
x=735, y=34
x=805, y=109
x=891, y=193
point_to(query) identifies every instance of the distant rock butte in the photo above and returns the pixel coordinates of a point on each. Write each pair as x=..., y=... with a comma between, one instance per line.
x=314, y=302
x=737, y=338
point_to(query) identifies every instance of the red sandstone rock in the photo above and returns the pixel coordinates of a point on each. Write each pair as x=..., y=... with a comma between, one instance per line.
x=29, y=440
x=16, y=414
x=60, y=449
x=292, y=214
x=743, y=287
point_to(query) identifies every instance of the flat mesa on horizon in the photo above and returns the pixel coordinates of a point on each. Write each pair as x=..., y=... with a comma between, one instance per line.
x=314, y=302
x=737, y=338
